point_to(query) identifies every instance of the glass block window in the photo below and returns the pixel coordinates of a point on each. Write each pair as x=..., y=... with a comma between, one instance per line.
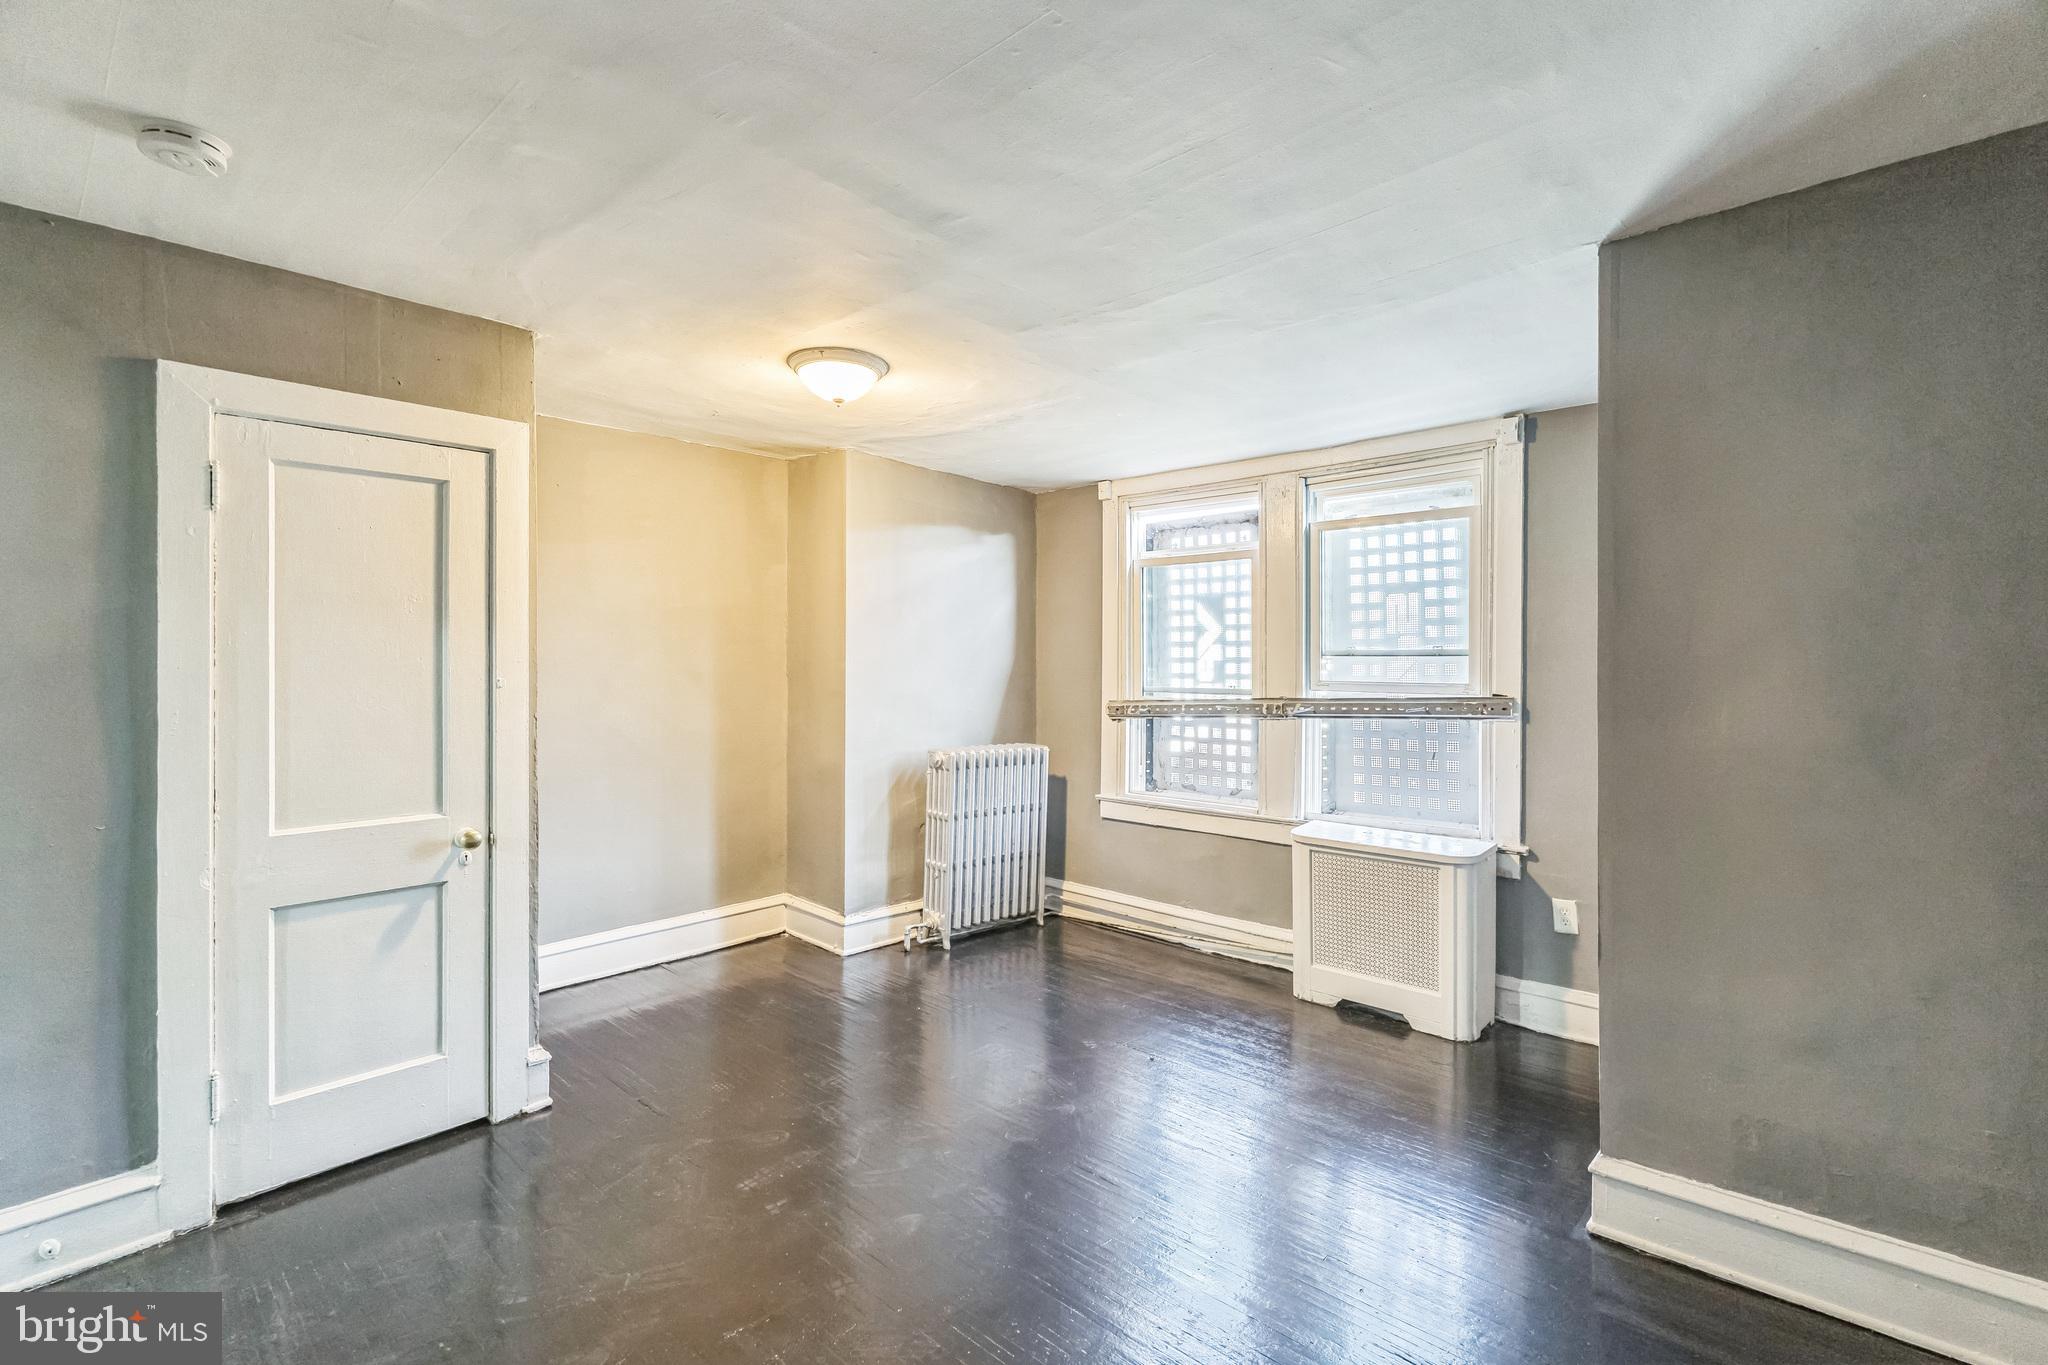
x=1279, y=636
x=1197, y=621
x=1395, y=599
x=1394, y=587
x=1210, y=758
x=1192, y=594
x=1409, y=774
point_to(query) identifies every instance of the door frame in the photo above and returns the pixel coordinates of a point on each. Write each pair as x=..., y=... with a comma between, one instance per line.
x=188, y=399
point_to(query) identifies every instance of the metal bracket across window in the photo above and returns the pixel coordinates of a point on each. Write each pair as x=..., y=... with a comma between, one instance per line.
x=1298, y=708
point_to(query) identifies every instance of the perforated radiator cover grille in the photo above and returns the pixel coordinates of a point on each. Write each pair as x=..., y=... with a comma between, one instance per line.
x=1374, y=916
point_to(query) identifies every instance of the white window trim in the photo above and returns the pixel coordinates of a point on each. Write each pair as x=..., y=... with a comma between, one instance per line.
x=1280, y=646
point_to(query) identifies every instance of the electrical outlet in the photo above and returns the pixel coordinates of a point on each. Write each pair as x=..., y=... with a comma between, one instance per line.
x=1564, y=916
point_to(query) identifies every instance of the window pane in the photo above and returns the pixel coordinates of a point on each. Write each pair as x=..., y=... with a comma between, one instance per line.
x=1197, y=623
x=1396, y=602
x=1182, y=529
x=1215, y=758
x=1412, y=773
x=1347, y=502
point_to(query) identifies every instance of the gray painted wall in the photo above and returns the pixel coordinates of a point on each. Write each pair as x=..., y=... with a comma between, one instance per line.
x=1561, y=737
x=662, y=573
x=1237, y=877
x=1250, y=880
x=939, y=648
x=1824, y=634
x=85, y=311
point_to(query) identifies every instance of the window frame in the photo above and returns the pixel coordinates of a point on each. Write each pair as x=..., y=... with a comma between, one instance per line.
x=1286, y=609
x=1134, y=666
x=1132, y=639
x=1479, y=601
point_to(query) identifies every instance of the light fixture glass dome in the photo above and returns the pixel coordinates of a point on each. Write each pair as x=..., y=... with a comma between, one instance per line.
x=837, y=374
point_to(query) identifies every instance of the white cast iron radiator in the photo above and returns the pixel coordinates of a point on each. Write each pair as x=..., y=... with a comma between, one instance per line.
x=984, y=840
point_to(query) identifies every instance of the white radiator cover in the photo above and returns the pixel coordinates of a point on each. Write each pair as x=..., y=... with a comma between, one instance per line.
x=1398, y=921
x=984, y=838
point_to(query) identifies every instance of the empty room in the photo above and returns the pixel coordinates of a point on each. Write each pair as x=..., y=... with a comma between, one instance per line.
x=1199, y=683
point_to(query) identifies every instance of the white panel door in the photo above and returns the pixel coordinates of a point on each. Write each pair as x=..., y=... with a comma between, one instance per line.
x=351, y=725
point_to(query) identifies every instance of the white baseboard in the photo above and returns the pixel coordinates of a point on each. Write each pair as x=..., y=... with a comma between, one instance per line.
x=823, y=927
x=1534, y=1005
x=538, y=1060
x=1271, y=945
x=1546, y=1008
x=1930, y=1298
x=1531, y=1004
x=575, y=960
x=88, y=1224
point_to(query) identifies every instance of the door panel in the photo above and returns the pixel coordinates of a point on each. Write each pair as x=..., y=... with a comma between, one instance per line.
x=325, y=1031
x=352, y=731
x=360, y=598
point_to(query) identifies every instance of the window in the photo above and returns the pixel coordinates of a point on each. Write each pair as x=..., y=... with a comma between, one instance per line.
x=1193, y=570
x=1212, y=760
x=1394, y=556
x=1403, y=773
x=1195, y=597
x=1392, y=570
x=1335, y=634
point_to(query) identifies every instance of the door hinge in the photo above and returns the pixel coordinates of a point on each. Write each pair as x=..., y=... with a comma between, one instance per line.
x=212, y=486
x=213, y=1098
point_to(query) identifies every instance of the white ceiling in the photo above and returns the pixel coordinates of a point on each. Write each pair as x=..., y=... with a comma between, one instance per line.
x=1112, y=237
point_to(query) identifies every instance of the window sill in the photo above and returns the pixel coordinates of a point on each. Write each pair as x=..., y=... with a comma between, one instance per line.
x=1164, y=816
x=1260, y=828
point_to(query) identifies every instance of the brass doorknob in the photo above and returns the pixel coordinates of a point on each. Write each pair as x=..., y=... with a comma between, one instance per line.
x=469, y=838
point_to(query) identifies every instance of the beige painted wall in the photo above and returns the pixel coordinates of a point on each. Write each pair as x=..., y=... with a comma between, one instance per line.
x=83, y=313
x=1250, y=880
x=662, y=603
x=746, y=662
x=816, y=807
x=939, y=650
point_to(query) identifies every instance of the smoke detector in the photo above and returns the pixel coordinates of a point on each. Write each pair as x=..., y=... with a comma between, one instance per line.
x=184, y=149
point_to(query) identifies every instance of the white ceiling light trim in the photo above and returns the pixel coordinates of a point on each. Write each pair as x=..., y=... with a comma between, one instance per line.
x=837, y=374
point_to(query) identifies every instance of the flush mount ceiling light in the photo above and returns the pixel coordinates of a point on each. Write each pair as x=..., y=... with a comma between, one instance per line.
x=837, y=374
x=184, y=149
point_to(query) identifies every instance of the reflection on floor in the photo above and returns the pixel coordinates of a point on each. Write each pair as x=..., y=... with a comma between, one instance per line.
x=1057, y=1145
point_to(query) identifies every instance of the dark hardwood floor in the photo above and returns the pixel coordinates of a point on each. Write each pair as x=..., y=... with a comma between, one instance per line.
x=1058, y=1146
